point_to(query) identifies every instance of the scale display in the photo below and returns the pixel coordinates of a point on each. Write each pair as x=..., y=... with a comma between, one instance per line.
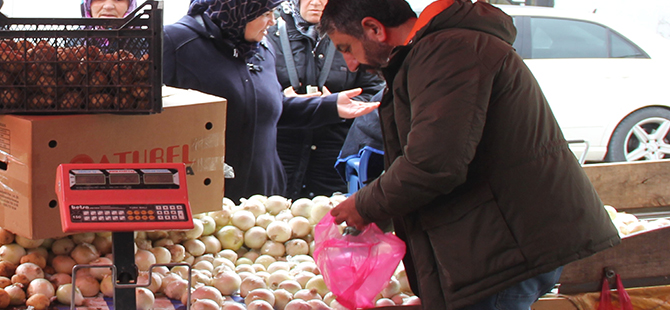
x=123, y=197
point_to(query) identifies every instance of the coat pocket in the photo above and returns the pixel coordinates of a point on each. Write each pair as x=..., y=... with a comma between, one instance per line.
x=471, y=242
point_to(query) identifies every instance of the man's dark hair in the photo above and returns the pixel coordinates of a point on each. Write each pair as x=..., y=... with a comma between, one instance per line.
x=345, y=15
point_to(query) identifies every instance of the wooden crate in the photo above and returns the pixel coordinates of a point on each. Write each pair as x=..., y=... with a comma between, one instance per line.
x=640, y=188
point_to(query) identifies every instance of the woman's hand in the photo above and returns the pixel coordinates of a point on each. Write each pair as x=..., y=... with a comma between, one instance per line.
x=347, y=108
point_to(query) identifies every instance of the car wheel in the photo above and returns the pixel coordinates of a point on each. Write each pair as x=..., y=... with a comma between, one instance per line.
x=642, y=135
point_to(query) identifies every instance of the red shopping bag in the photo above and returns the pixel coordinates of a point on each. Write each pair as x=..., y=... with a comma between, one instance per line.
x=606, y=296
x=355, y=267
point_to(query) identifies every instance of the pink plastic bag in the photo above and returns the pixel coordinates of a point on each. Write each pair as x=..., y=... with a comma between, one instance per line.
x=355, y=267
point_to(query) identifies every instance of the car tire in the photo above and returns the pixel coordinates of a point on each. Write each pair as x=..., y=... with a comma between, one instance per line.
x=638, y=138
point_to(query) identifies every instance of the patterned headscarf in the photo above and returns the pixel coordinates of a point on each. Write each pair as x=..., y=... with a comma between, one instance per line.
x=232, y=17
x=132, y=5
x=306, y=28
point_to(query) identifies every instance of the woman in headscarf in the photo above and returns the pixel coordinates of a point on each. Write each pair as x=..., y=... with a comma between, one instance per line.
x=219, y=48
x=108, y=8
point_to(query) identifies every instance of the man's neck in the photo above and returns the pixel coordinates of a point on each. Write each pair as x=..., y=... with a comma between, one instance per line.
x=397, y=35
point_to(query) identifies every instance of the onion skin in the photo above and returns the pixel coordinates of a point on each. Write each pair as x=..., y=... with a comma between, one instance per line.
x=38, y=301
x=4, y=299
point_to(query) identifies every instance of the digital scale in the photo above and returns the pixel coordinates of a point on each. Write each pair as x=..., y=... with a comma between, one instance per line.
x=123, y=198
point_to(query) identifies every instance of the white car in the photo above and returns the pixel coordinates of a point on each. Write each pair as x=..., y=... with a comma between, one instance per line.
x=605, y=82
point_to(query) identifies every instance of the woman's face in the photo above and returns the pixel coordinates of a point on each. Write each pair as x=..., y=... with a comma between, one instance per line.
x=311, y=10
x=256, y=29
x=109, y=8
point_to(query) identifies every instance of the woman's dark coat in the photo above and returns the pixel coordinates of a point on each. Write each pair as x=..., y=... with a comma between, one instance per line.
x=196, y=57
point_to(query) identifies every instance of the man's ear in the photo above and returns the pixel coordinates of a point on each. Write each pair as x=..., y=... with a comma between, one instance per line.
x=373, y=29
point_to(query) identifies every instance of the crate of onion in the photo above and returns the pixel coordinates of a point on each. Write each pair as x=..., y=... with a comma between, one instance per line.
x=82, y=65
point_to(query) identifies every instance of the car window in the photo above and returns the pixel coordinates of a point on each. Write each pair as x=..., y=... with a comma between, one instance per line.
x=564, y=38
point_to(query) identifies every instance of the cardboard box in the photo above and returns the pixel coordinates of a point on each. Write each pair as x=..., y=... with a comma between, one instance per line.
x=191, y=129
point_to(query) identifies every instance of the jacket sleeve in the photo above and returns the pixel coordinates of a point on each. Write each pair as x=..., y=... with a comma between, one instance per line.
x=309, y=112
x=168, y=59
x=370, y=83
x=441, y=105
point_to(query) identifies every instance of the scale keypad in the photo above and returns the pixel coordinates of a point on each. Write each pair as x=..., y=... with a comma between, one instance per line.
x=128, y=213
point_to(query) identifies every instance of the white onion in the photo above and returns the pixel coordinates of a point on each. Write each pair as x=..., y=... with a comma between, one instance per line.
x=245, y=268
x=99, y=273
x=161, y=254
x=155, y=284
x=203, y=265
x=317, y=283
x=175, y=289
x=84, y=253
x=177, y=251
x=252, y=254
x=86, y=237
x=41, y=286
x=300, y=226
x=207, y=292
x=259, y=305
x=195, y=247
x=62, y=246
x=284, y=216
x=298, y=304
x=161, y=270
x=398, y=298
x=38, y=302
x=35, y=258
x=265, y=260
x=233, y=305
x=282, y=297
x=12, y=253
x=204, y=304
x=279, y=265
x=229, y=254
x=222, y=217
x=307, y=294
x=301, y=259
x=144, y=259
x=391, y=288
x=273, y=248
x=231, y=237
x=307, y=266
x=27, y=243
x=227, y=282
x=384, y=302
x=180, y=270
x=264, y=220
x=279, y=231
x=259, y=268
x=260, y=294
x=304, y=276
x=6, y=236
x=319, y=210
x=221, y=261
x=317, y=304
x=144, y=244
x=290, y=285
x=255, y=237
x=177, y=236
x=212, y=244
x=243, y=219
x=412, y=300
x=196, y=231
x=4, y=282
x=244, y=261
x=227, y=203
x=277, y=277
x=296, y=247
x=275, y=204
x=254, y=206
x=169, y=278
x=144, y=299
x=88, y=286
x=328, y=299
x=209, y=225
x=106, y=286
x=59, y=279
x=162, y=243
x=250, y=283
x=302, y=207
x=30, y=271
x=16, y=294
x=64, y=295
x=103, y=244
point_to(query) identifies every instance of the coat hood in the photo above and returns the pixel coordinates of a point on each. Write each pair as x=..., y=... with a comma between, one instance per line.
x=479, y=16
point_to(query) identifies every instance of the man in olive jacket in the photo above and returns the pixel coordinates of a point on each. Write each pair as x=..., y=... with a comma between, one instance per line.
x=479, y=180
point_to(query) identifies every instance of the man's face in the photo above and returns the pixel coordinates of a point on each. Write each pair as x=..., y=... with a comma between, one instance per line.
x=311, y=10
x=366, y=54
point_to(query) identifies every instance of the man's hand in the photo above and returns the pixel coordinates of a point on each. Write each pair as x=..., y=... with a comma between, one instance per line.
x=347, y=108
x=346, y=212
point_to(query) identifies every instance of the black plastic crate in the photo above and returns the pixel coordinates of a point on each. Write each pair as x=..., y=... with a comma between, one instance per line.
x=82, y=65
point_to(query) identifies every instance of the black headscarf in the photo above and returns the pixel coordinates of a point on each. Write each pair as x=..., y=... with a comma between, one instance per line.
x=232, y=17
